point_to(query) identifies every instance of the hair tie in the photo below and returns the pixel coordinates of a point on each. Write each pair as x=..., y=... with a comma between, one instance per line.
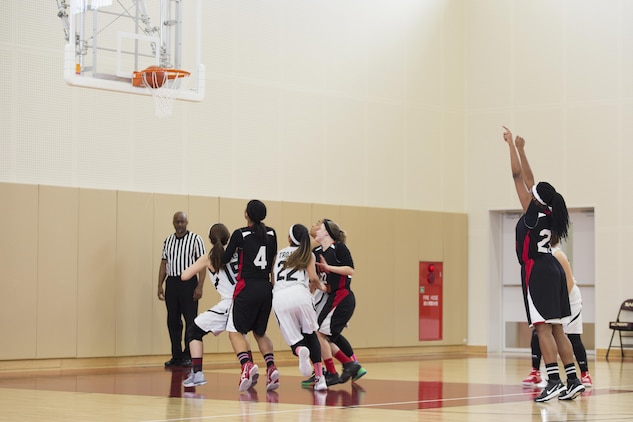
x=537, y=196
x=326, y=223
x=292, y=236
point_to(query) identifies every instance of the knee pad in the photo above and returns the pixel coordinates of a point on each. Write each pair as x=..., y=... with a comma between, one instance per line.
x=195, y=333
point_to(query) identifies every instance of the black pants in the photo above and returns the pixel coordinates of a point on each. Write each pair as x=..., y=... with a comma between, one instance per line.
x=180, y=305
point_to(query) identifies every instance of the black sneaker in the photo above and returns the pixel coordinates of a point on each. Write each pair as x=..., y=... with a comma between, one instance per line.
x=309, y=383
x=350, y=369
x=553, y=388
x=332, y=378
x=185, y=362
x=574, y=388
x=172, y=362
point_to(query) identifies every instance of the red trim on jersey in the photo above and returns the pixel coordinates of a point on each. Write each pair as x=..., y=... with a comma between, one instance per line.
x=339, y=295
x=529, y=263
x=239, y=287
x=240, y=260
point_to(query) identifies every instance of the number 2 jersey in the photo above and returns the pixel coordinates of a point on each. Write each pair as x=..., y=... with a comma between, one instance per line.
x=533, y=233
x=288, y=277
x=542, y=277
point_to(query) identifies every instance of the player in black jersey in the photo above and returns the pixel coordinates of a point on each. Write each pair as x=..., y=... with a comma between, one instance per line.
x=256, y=246
x=336, y=267
x=544, y=284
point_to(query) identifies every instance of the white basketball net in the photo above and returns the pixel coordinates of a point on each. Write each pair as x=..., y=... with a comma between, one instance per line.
x=164, y=88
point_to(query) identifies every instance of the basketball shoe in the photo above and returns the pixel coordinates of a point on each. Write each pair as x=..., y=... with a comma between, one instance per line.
x=533, y=379
x=249, y=370
x=585, y=377
x=574, y=388
x=305, y=367
x=551, y=390
x=272, y=378
x=194, y=379
x=320, y=384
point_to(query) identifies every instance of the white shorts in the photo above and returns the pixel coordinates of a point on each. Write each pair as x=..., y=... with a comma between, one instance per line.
x=295, y=313
x=214, y=320
x=575, y=302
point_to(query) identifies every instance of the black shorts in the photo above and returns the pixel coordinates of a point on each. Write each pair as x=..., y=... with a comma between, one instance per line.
x=252, y=303
x=337, y=312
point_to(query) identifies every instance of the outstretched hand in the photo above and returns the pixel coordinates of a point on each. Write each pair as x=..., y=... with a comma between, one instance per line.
x=519, y=142
x=507, y=135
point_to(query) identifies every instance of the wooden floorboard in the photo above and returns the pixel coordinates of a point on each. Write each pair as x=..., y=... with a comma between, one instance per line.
x=402, y=385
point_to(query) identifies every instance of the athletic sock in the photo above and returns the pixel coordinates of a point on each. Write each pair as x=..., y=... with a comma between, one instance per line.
x=342, y=357
x=552, y=371
x=570, y=370
x=329, y=366
x=270, y=359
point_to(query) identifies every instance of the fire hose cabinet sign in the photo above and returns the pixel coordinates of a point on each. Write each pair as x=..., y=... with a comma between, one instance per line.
x=430, y=300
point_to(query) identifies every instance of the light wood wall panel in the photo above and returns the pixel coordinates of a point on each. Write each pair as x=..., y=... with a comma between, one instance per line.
x=455, y=287
x=136, y=274
x=371, y=243
x=408, y=235
x=96, y=273
x=98, y=254
x=57, y=272
x=18, y=279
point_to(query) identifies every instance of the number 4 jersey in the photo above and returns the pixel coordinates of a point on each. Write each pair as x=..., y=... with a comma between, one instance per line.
x=255, y=255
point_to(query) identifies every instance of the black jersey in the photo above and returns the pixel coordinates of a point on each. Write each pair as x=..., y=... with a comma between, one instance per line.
x=338, y=255
x=255, y=257
x=533, y=234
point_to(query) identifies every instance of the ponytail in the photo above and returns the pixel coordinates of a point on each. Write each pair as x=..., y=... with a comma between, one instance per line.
x=219, y=237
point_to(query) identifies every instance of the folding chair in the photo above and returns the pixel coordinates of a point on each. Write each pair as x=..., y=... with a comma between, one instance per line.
x=624, y=322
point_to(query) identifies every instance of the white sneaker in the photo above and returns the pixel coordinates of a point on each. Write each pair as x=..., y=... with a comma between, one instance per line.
x=305, y=367
x=194, y=379
x=320, y=384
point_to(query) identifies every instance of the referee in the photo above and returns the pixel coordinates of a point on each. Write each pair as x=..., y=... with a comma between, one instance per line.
x=180, y=250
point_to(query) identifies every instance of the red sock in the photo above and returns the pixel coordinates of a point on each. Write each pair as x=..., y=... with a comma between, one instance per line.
x=329, y=366
x=342, y=357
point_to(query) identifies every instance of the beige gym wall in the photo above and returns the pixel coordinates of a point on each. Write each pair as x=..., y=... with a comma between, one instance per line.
x=81, y=269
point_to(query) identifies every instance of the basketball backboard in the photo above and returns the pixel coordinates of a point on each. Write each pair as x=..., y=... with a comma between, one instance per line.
x=107, y=41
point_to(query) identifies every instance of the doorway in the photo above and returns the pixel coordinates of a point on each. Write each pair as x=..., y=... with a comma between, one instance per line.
x=508, y=330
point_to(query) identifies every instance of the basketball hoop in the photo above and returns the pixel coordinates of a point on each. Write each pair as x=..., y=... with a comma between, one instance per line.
x=164, y=85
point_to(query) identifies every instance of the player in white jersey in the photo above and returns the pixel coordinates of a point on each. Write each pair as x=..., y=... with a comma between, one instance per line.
x=215, y=319
x=294, y=272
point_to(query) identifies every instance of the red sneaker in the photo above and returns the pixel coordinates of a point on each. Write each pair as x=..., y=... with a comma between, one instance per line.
x=534, y=379
x=272, y=379
x=249, y=370
x=585, y=378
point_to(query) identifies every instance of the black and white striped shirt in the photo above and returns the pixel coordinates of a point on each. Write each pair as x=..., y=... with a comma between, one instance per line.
x=180, y=253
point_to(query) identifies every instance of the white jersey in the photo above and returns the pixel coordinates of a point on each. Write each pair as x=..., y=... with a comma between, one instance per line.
x=215, y=319
x=292, y=300
x=288, y=277
x=225, y=279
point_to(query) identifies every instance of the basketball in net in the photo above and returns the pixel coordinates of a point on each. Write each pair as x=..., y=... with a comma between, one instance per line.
x=164, y=84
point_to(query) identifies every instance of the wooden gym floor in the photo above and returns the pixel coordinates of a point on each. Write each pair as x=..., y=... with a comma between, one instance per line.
x=452, y=387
